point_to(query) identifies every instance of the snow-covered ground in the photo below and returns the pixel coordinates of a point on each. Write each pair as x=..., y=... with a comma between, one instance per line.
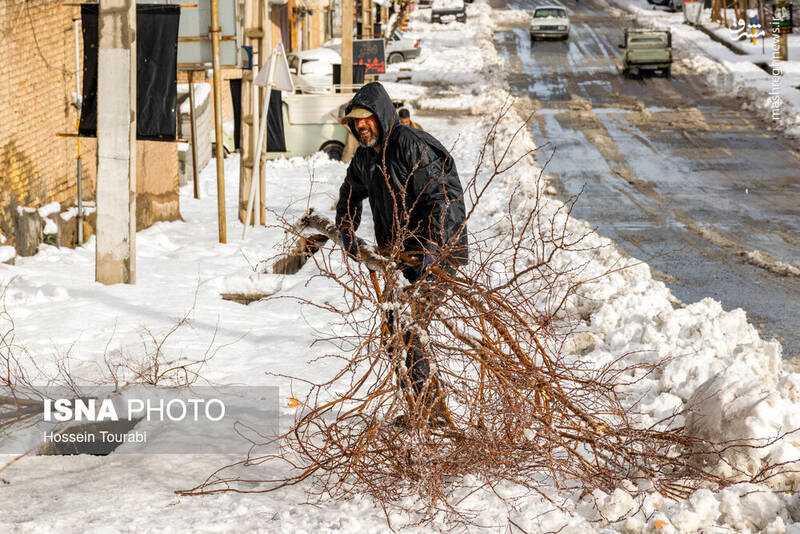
x=730, y=72
x=60, y=314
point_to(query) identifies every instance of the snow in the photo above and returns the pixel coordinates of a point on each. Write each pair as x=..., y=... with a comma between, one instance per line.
x=7, y=253
x=49, y=209
x=746, y=388
x=201, y=92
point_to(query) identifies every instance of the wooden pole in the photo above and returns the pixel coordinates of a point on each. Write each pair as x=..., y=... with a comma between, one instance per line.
x=115, y=260
x=246, y=118
x=347, y=45
x=264, y=48
x=193, y=121
x=260, y=144
x=215, y=33
x=254, y=98
x=366, y=19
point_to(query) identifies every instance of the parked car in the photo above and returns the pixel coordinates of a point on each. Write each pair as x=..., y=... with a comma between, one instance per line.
x=398, y=49
x=647, y=50
x=673, y=5
x=447, y=10
x=312, y=70
x=549, y=21
x=310, y=125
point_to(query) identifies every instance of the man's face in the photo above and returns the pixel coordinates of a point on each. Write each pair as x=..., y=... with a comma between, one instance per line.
x=405, y=121
x=368, y=131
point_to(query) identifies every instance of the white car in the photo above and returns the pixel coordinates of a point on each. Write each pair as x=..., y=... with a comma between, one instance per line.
x=550, y=21
x=397, y=50
x=312, y=70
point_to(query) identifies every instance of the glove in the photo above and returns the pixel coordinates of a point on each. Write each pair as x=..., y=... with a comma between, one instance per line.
x=431, y=255
x=350, y=243
x=427, y=260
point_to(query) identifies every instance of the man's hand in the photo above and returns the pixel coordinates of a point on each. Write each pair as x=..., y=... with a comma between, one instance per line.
x=350, y=243
x=431, y=255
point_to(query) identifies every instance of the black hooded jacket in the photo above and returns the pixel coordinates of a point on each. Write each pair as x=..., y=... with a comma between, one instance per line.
x=411, y=181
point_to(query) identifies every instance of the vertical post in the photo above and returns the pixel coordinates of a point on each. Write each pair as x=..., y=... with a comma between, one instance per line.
x=215, y=31
x=246, y=119
x=115, y=260
x=260, y=144
x=253, y=138
x=385, y=20
x=264, y=49
x=366, y=19
x=347, y=45
x=77, y=128
x=193, y=121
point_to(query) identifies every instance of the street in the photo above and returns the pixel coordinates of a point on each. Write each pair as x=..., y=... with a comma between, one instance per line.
x=678, y=176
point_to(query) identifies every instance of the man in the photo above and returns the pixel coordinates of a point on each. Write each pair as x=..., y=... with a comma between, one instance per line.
x=415, y=197
x=405, y=119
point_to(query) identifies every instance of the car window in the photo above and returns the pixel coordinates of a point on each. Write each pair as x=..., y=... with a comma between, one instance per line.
x=316, y=67
x=647, y=40
x=292, y=60
x=542, y=13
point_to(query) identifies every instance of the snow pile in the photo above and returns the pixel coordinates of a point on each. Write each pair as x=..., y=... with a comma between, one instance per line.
x=454, y=54
x=7, y=253
x=202, y=90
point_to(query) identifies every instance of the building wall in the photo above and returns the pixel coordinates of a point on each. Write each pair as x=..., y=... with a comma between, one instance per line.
x=37, y=78
x=37, y=75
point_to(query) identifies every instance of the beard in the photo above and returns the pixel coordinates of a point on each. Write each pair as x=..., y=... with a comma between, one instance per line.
x=373, y=140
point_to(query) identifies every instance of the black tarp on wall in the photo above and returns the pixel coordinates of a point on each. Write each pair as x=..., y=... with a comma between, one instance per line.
x=276, y=142
x=156, y=71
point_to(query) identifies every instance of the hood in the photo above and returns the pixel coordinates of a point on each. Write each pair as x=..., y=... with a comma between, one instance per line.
x=375, y=98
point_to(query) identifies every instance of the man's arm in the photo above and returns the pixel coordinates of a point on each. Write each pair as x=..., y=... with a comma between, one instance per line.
x=348, y=208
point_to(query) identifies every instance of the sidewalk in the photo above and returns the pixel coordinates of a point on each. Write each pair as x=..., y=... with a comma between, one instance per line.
x=734, y=64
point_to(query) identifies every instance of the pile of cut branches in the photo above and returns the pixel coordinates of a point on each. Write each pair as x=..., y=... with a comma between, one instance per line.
x=516, y=407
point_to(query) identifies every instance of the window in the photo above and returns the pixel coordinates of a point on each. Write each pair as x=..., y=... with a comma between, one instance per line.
x=543, y=13
x=647, y=40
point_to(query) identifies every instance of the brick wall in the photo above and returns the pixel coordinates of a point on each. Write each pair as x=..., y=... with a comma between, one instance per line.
x=37, y=77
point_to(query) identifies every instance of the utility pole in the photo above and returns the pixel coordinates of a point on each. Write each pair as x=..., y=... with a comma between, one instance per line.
x=215, y=34
x=115, y=259
x=347, y=45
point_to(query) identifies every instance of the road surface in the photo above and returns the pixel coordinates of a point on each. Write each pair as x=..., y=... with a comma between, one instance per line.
x=674, y=173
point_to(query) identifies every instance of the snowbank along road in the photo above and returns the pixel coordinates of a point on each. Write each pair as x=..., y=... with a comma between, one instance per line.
x=676, y=174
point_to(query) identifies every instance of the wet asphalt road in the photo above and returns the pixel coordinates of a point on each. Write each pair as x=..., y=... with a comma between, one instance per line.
x=672, y=172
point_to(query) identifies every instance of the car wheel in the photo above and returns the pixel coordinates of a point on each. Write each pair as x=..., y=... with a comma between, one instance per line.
x=626, y=73
x=334, y=150
x=668, y=72
x=396, y=57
